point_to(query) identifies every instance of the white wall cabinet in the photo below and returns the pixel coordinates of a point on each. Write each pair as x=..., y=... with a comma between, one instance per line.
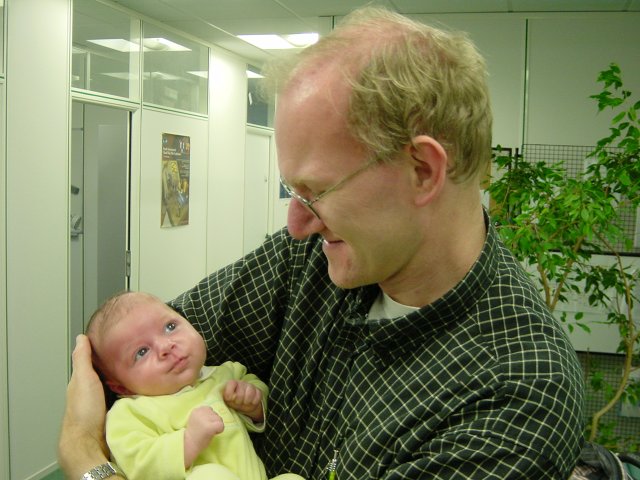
x=37, y=229
x=172, y=259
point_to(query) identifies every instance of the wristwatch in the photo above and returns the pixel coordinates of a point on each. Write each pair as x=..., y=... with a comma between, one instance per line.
x=105, y=470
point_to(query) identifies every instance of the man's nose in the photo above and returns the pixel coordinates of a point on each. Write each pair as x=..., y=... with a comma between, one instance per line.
x=301, y=222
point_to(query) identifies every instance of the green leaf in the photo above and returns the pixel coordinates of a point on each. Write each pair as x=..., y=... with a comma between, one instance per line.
x=618, y=117
x=624, y=178
x=584, y=213
x=584, y=327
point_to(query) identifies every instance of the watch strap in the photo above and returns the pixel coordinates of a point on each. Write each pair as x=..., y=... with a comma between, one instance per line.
x=105, y=470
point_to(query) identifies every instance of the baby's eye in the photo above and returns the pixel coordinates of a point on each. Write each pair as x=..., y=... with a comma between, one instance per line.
x=141, y=353
x=170, y=327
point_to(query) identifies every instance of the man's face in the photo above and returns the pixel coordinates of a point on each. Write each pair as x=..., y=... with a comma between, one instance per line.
x=368, y=223
x=152, y=350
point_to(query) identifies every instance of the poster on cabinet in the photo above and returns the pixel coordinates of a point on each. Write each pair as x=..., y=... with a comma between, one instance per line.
x=176, y=150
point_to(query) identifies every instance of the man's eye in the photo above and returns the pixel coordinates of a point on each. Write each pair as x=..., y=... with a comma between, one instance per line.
x=170, y=327
x=305, y=192
x=141, y=353
x=311, y=194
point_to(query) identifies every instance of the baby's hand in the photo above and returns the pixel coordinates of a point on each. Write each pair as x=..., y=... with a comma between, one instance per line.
x=204, y=422
x=244, y=398
x=202, y=426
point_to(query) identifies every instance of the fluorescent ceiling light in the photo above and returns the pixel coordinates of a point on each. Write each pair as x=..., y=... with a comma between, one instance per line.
x=150, y=44
x=119, y=44
x=146, y=75
x=251, y=74
x=118, y=75
x=302, y=39
x=163, y=45
x=267, y=42
x=281, y=42
x=161, y=76
x=201, y=73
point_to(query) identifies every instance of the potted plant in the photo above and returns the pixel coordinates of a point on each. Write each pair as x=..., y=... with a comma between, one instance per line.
x=556, y=224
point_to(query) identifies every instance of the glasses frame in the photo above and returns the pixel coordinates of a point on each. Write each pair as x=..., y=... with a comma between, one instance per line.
x=309, y=203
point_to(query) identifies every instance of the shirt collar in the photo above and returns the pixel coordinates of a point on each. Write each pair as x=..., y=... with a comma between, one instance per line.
x=400, y=334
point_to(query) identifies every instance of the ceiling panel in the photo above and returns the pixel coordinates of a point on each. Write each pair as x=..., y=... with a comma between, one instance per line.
x=217, y=22
x=311, y=8
x=232, y=9
x=451, y=6
x=569, y=5
x=207, y=10
x=158, y=9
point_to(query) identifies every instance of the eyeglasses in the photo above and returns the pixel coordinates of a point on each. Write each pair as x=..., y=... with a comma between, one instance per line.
x=309, y=203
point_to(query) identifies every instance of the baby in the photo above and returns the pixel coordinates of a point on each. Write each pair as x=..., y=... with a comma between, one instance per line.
x=175, y=417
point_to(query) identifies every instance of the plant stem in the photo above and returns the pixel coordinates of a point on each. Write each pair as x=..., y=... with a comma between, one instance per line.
x=567, y=270
x=628, y=341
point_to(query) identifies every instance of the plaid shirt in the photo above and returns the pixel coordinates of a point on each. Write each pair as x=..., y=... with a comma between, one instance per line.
x=481, y=384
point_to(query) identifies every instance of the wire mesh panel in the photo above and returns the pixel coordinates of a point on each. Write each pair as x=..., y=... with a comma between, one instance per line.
x=610, y=366
x=576, y=158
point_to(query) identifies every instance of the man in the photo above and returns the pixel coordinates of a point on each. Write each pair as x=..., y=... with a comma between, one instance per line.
x=400, y=338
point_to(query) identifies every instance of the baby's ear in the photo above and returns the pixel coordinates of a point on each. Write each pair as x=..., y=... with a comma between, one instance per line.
x=116, y=388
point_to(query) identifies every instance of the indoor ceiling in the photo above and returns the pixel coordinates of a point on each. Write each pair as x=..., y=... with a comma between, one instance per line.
x=219, y=21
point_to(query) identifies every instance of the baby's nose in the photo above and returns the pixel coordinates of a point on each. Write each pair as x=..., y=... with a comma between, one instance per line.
x=166, y=347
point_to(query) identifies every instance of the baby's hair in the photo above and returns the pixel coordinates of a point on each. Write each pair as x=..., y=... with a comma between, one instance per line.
x=102, y=317
x=106, y=316
x=109, y=312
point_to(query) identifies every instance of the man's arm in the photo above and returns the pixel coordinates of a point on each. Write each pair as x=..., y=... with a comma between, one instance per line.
x=82, y=444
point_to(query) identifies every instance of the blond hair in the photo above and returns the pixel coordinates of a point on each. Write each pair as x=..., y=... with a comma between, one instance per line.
x=106, y=316
x=406, y=79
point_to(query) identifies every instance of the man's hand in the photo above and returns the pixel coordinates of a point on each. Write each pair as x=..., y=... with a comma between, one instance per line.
x=244, y=398
x=202, y=426
x=82, y=444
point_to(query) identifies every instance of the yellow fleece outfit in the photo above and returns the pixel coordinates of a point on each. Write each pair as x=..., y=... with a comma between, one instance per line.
x=146, y=434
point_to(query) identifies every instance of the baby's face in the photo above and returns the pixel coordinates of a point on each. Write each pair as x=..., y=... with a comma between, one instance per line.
x=152, y=351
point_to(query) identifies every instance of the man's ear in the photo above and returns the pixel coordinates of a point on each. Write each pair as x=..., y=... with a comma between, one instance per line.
x=430, y=166
x=116, y=388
